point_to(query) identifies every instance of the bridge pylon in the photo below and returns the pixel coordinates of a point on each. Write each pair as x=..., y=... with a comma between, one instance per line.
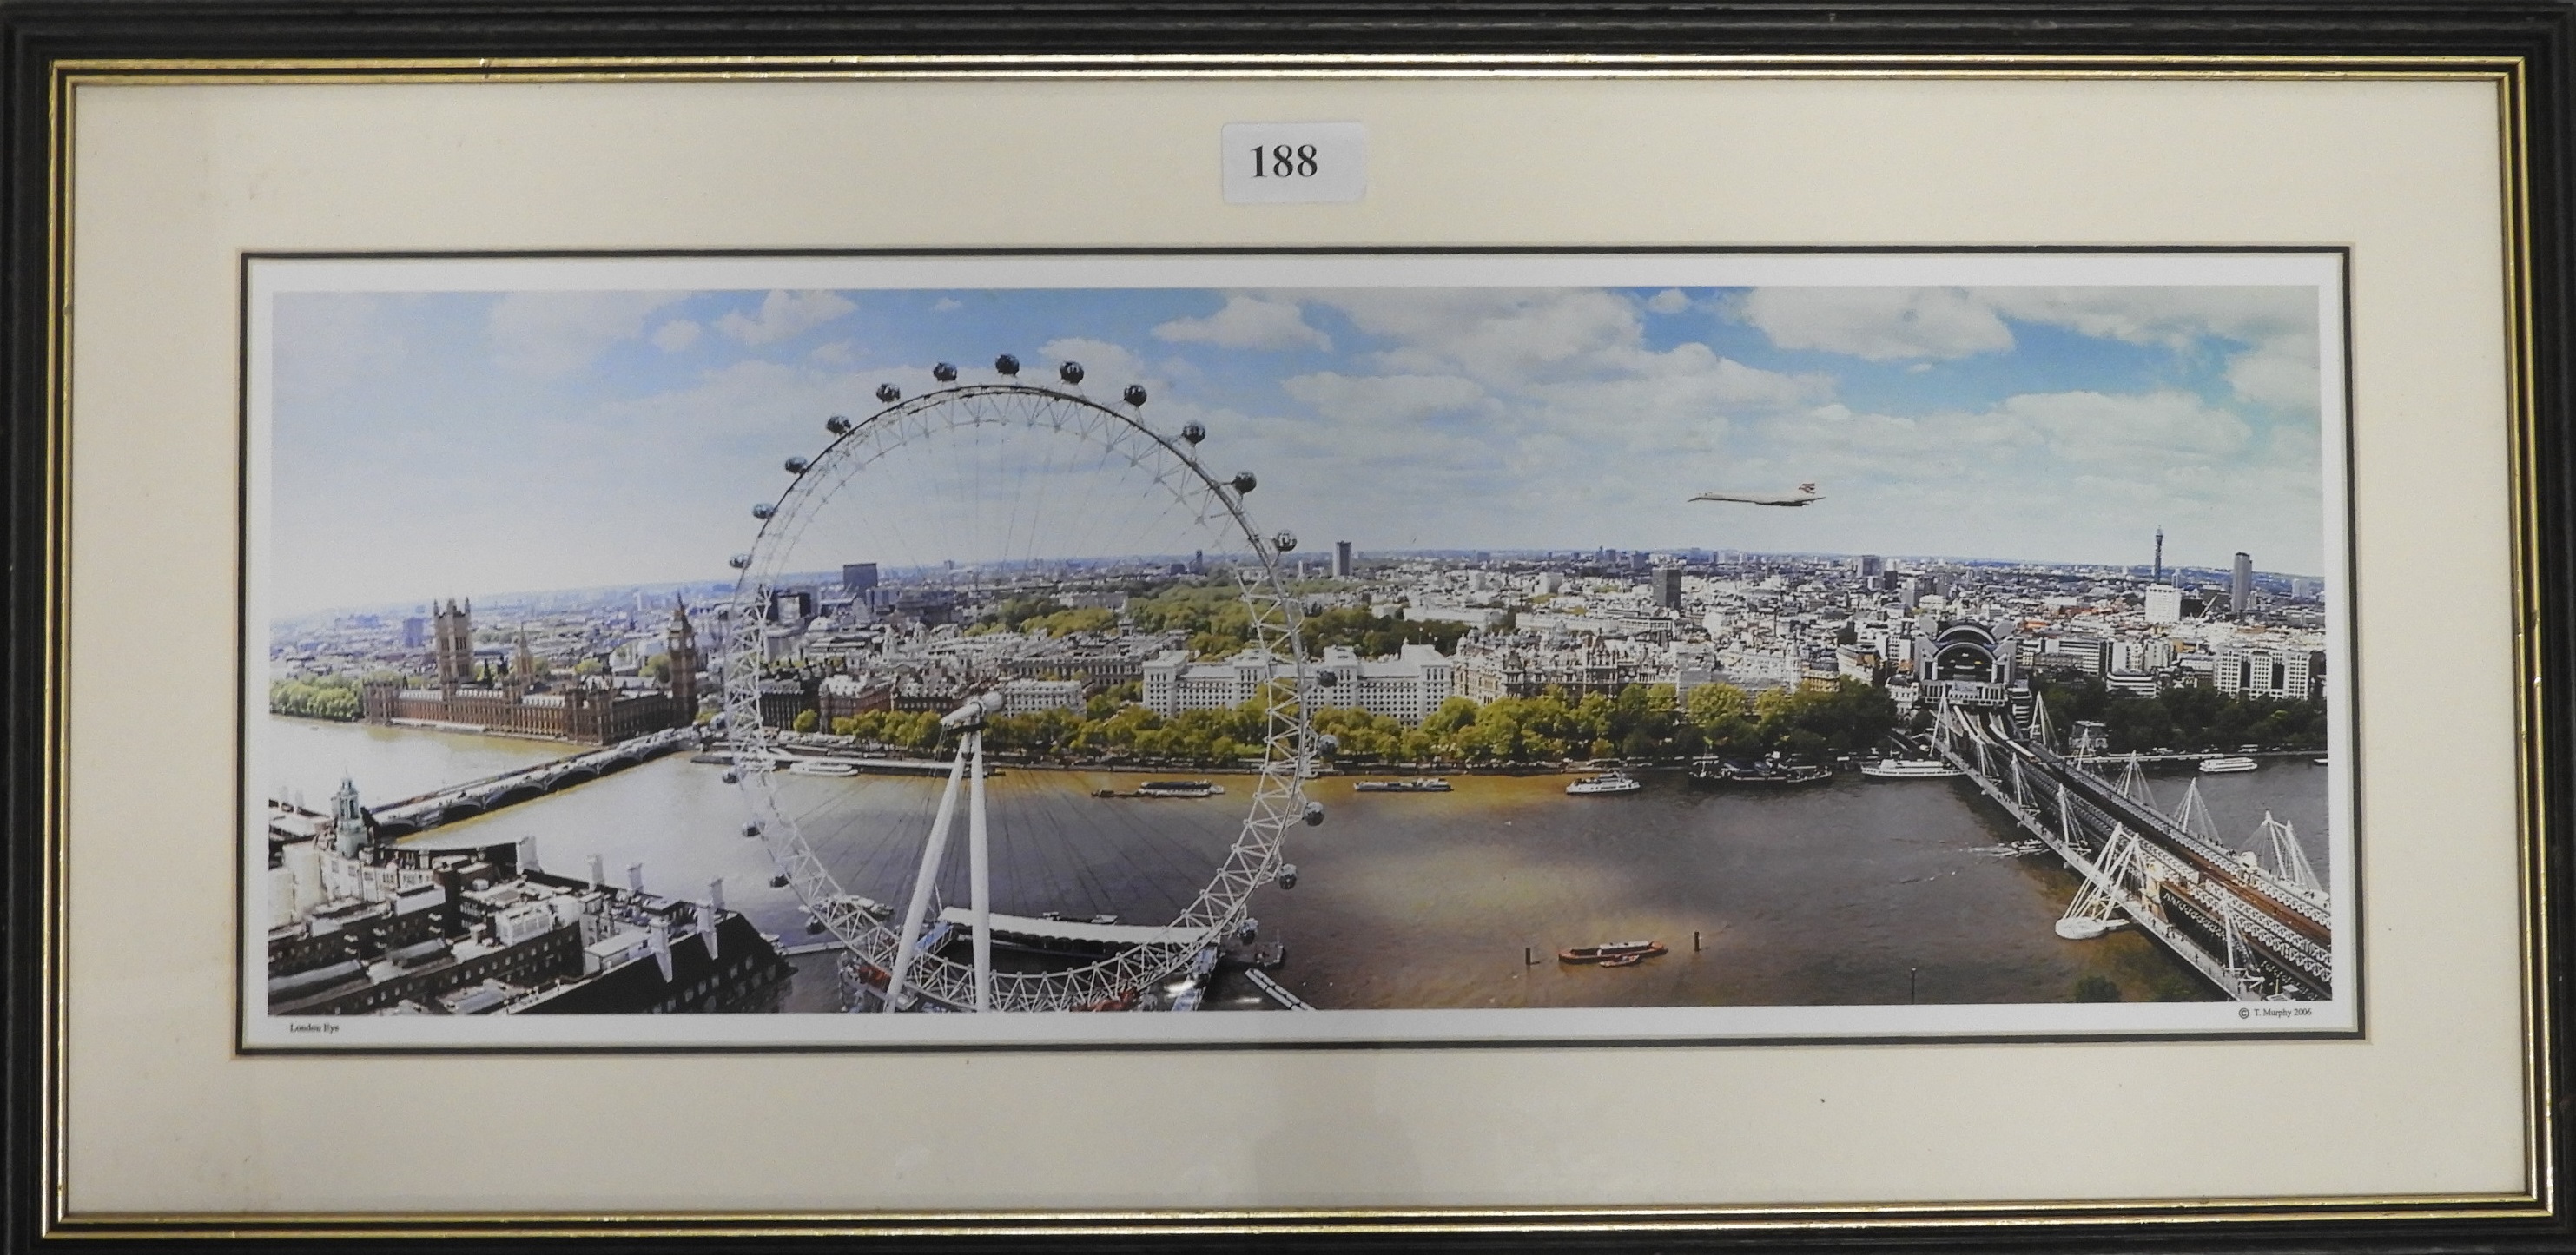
x=2096, y=908
x=2192, y=815
x=2133, y=783
x=2290, y=859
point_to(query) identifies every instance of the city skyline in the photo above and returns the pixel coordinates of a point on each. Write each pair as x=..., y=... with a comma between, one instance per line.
x=530, y=441
x=1318, y=566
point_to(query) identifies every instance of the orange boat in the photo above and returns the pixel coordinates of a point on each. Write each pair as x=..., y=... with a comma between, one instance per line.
x=1615, y=953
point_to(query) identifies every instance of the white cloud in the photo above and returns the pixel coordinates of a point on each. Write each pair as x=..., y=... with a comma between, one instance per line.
x=675, y=335
x=1383, y=400
x=947, y=305
x=1878, y=324
x=2176, y=317
x=2148, y=430
x=326, y=341
x=1104, y=365
x=556, y=333
x=840, y=353
x=2277, y=325
x=1494, y=334
x=2280, y=371
x=1248, y=322
x=1668, y=301
x=783, y=316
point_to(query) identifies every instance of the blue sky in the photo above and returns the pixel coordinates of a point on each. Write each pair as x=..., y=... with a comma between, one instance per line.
x=474, y=443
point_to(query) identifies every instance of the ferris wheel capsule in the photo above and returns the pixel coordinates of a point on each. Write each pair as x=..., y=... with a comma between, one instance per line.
x=889, y=393
x=1243, y=482
x=1193, y=433
x=740, y=561
x=1070, y=372
x=944, y=373
x=1285, y=541
x=763, y=510
x=1287, y=875
x=796, y=465
x=1135, y=394
x=1314, y=814
x=837, y=425
x=1006, y=364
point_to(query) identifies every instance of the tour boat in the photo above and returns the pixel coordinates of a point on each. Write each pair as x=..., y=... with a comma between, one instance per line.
x=1908, y=769
x=2215, y=765
x=1432, y=784
x=822, y=768
x=1179, y=788
x=1769, y=771
x=1606, y=782
x=1631, y=951
x=1623, y=960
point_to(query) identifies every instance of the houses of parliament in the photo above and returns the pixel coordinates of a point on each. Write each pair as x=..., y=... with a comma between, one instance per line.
x=585, y=709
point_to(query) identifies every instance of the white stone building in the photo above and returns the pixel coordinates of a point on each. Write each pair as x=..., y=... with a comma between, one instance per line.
x=1405, y=688
x=1027, y=697
x=2263, y=671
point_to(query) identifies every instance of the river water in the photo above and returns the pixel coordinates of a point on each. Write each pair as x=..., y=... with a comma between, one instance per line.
x=1855, y=892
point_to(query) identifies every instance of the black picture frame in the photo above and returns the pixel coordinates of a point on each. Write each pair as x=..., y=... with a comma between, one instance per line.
x=2539, y=35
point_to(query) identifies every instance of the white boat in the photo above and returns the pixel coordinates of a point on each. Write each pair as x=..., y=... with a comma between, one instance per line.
x=822, y=768
x=1179, y=788
x=2212, y=766
x=1606, y=782
x=1908, y=769
x=1432, y=784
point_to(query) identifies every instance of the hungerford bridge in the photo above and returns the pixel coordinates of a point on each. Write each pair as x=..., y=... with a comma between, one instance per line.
x=2252, y=931
x=2256, y=933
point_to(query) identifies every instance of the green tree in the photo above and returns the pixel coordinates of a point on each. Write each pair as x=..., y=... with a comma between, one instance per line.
x=2185, y=718
x=319, y=697
x=1068, y=622
x=806, y=720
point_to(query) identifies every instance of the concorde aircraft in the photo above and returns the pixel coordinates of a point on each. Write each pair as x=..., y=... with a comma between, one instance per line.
x=1805, y=494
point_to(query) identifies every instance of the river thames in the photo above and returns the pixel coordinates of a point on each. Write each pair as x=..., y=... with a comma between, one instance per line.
x=1859, y=891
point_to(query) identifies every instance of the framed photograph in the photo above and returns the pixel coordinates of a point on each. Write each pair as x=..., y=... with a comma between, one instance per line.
x=1475, y=739
x=1835, y=631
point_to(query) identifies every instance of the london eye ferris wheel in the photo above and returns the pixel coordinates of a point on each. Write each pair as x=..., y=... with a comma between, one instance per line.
x=992, y=492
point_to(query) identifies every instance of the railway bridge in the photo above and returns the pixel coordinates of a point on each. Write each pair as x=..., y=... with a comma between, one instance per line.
x=2255, y=932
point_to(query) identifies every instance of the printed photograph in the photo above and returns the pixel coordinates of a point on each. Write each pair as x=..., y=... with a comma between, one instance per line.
x=1275, y=648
